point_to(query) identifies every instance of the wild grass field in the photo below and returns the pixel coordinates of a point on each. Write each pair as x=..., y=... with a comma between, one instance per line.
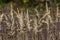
x=29, y=24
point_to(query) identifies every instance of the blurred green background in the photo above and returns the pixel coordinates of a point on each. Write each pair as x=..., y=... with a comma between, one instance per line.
x=31, y=3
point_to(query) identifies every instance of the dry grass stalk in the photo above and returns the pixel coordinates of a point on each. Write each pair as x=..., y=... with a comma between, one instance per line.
x=28, y=22
x=37, y=13
x=35, y=25
x=57, y=14
x=12, y=24
x=20, y=17
x=0, y=25
x=1, y=17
